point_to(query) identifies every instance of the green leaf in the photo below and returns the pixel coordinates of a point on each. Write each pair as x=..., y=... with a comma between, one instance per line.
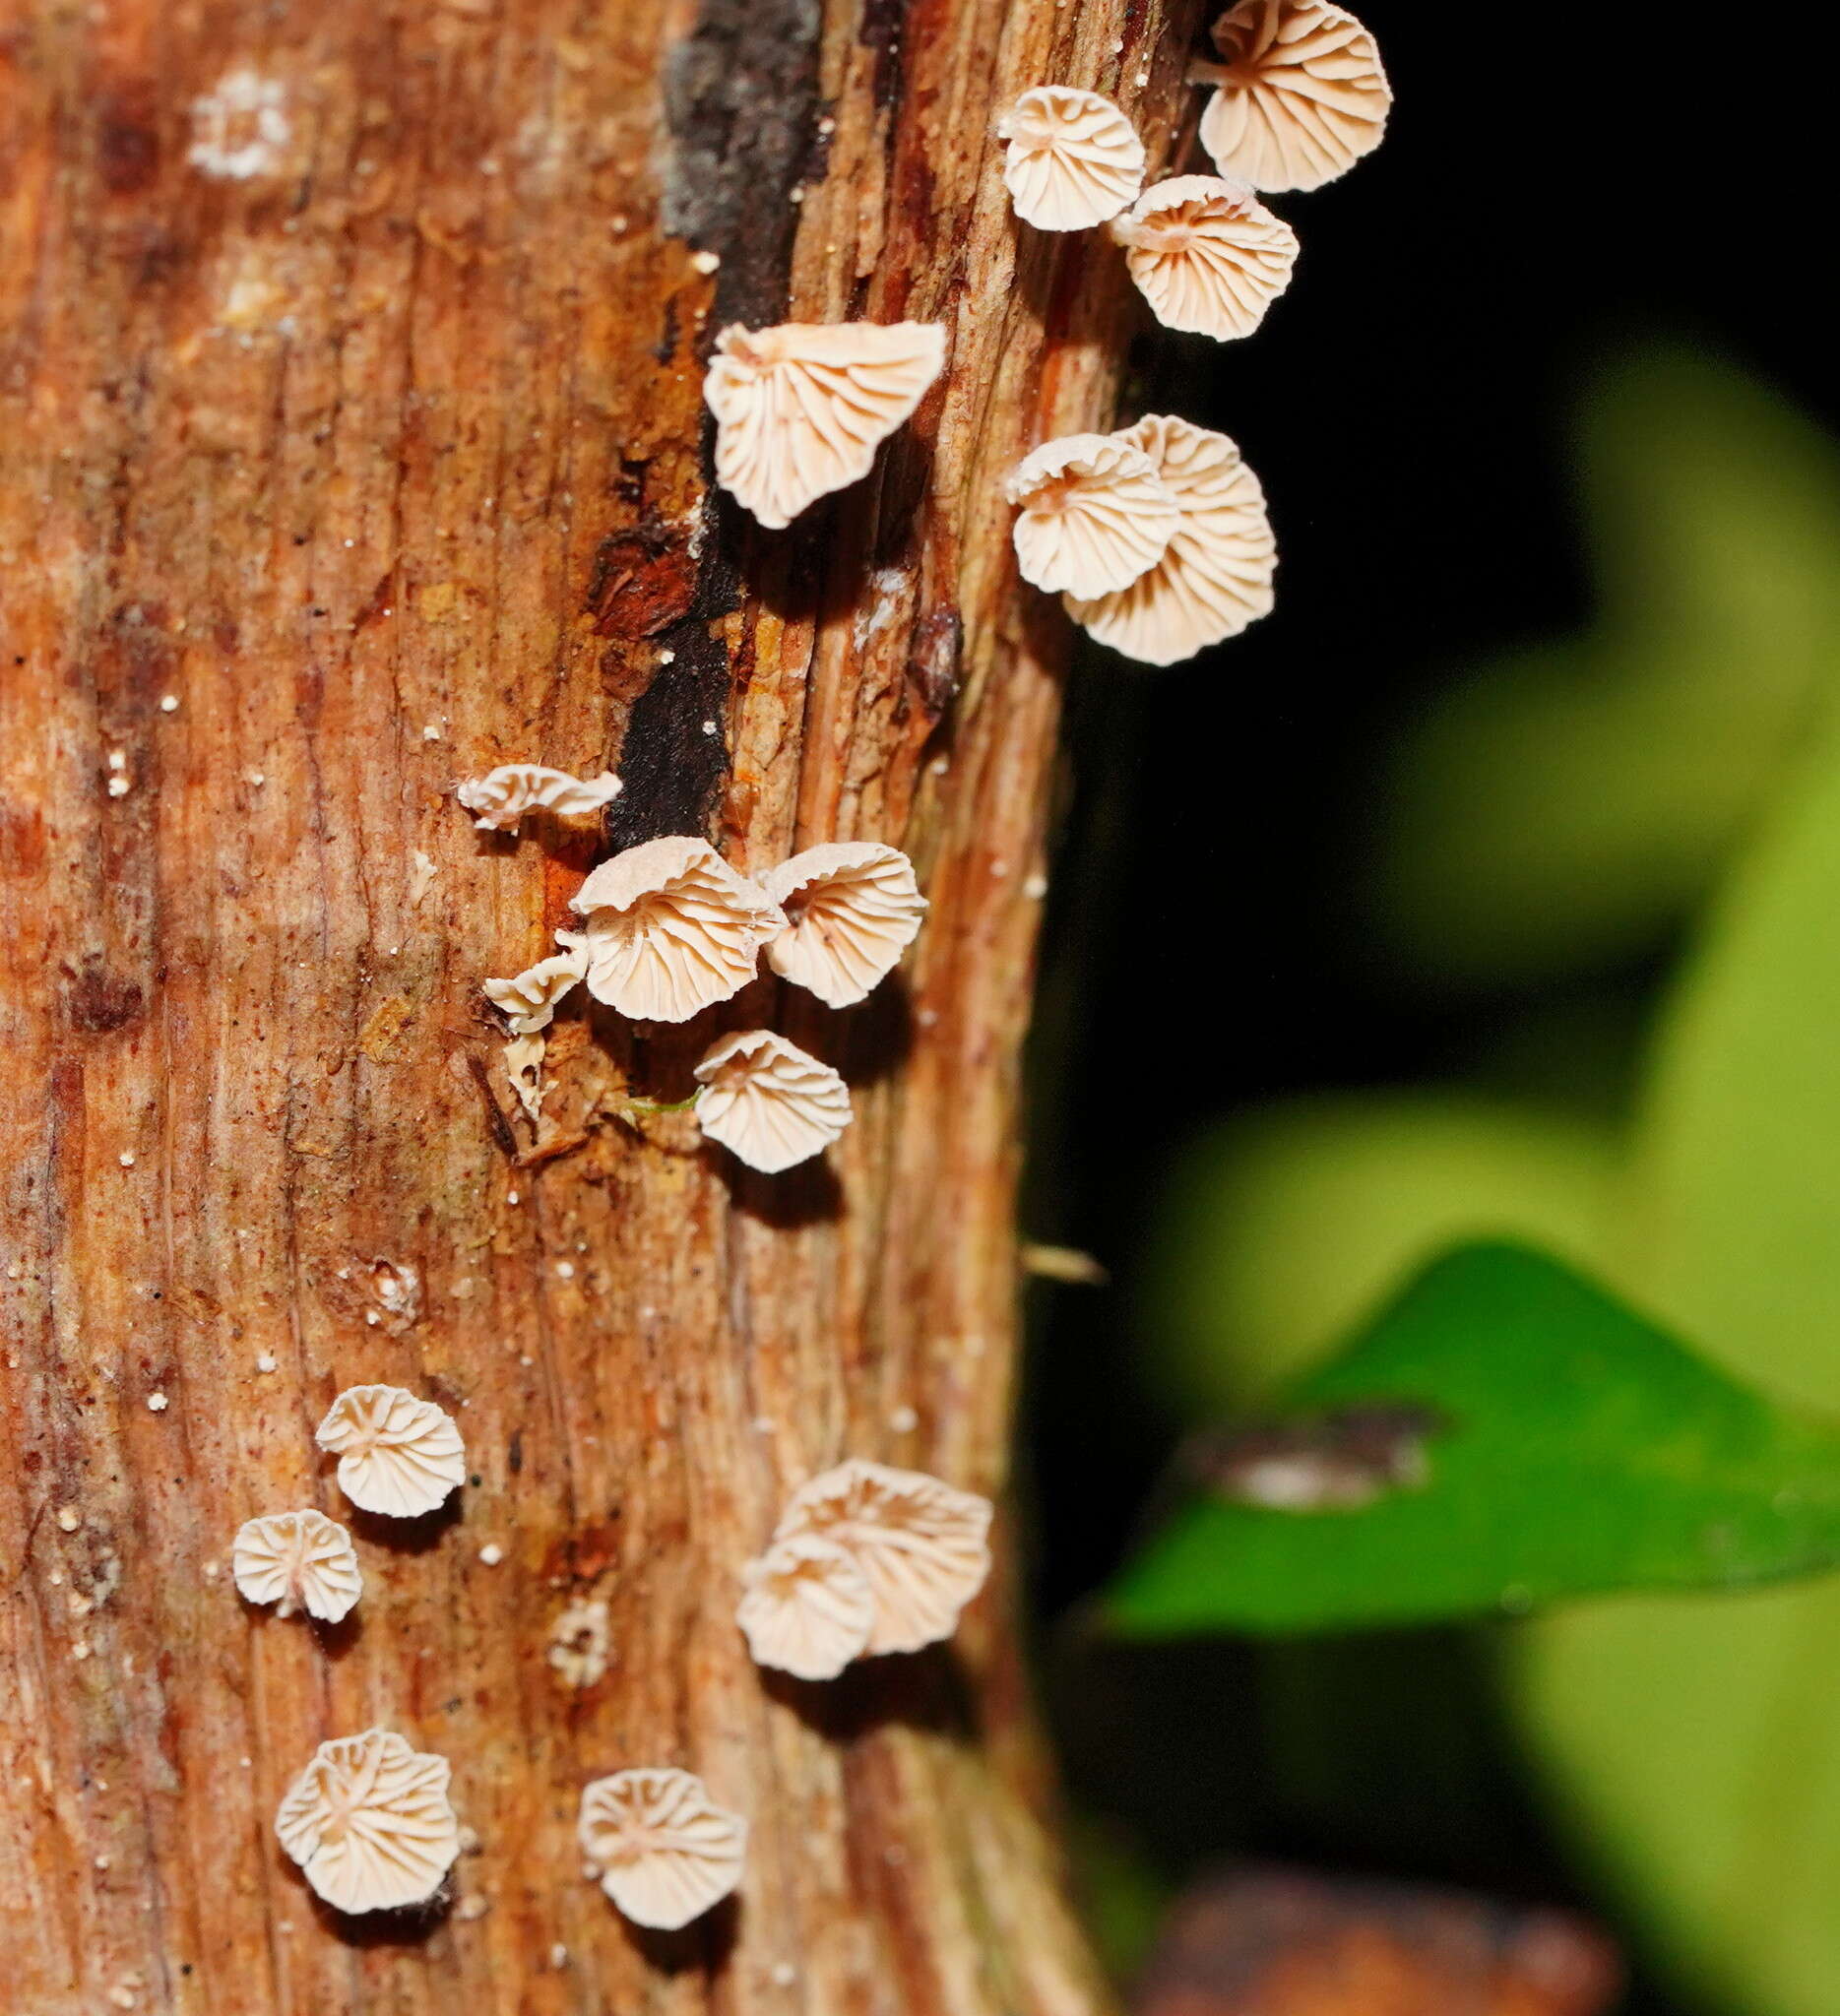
x=1581, y=1449
x=1699, y=1745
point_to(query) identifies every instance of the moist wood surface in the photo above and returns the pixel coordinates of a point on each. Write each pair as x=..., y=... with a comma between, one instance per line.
x=350, y=443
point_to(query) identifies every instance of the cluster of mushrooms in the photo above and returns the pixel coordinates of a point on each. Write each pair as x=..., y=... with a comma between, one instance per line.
x=866, y=1559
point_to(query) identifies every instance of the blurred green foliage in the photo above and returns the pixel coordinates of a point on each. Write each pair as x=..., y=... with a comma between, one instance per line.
x=1569, y=808
x=1568, y=1447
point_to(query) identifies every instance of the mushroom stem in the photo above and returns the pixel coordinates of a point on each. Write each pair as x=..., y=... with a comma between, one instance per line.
x=1200, y=70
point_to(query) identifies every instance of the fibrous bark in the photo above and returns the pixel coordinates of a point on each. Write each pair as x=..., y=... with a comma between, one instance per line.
x=350, y=443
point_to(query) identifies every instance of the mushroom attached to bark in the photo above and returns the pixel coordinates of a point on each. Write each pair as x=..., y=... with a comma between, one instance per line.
x=852, y=908
x=528, y=1000
x=1216, y=575
x=397, y=1455
x=665, y=1850
x=1301, y=93
x=923, y=1546
x=1073, y=159
x=1092, y=514
x=297, y=1560
x=502, y=796
x=769, y=1102
x=1206, y=254
x=800, y=409
x=369, y=1823
x=808, y=1609
x=671, y=930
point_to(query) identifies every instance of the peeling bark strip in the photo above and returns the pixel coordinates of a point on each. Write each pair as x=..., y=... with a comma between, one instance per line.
x=349, y=358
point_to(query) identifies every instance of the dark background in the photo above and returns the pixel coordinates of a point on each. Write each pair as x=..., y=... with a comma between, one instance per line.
x=1554, y=190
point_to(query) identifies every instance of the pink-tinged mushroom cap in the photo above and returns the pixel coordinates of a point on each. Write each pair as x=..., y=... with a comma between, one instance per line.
x=369, y=1823
x=769, y=1102
x=852, y=908
x=665, y=1852
x=1092, y=514
x=1206, y=255
x=1072, y=159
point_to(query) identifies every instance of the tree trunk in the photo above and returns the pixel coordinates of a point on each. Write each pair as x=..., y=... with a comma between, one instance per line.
x=352, y=443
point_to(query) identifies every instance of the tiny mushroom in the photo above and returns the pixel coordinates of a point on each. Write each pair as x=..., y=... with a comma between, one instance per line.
x=1301, y=93
x=769, y=1102
x=671, y=930
x=923, y=1546
x=665, y=1852
x=1093, y=514
x=369, y=1823
x=852, y=908
x=1216, y=576
x=807, y=1608
x=502, y=796
x=1072, y=159
x=1206, y=254
x=297, y=1560
x=397, y=1455
x=800, y=409
x=528, y=1000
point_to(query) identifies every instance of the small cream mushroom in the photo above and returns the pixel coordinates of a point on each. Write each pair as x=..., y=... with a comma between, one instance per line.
x=1207, y=254
x=397, y=1455
x=1301, y=93
x=769, y=1102
x=524, y=1073
x=1216, y=576
x=369, y=1823
x=852, y=908
x=800, y=409
x=665, y=1850
x=502, y=796
x=1092, y=514
x=1072, y=161
x=528, y=1000
x=671, y=930
x=923, y=1546
x=297, y=1560
x=808, y=1609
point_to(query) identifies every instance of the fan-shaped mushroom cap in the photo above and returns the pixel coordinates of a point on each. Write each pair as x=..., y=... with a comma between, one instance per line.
x=1301, y=94
x=397, y=1455
x=1216, y=576
x=502, y=796
x=671, y=930
x=528, y=1000
x=800, y=409
x=923, y=1546
x=1206, y=254
x=1092, y=514
x=1073, y=159
x=665, y=1850
x=808, y=1609
x=297, y=1560
x=852, y=908
x=769, y=1102
x=369, y=1822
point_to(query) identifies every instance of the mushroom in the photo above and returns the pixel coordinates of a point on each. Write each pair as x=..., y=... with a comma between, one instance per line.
x=369, y=1823
x=665, y=1850
x=397, y=1455
x=852, y=908
x=1301, y=93
x=1216, y=576
x=800, y=409
x=1093, y=515
x=808, y=1609
x=528, y=1000
x=671, y=930
x=1072, y=161
x=502, y=796
x=923, y=1546
x=769, y=1102
x=297, y=1560
x=1206, y=255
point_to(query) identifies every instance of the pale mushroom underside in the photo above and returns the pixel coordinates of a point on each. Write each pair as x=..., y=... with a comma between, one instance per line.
x=1071, y=159
x=1301, y=93
x=1207, y=256
x=852, y=908
x=505, y=795
x=529, y=1000
x=398, y=1455
x=1216, y=576
x=665, y=1850
x=807, y=1609
x=369, y=1822
x=769, y=1102
x=801, y=409
x=297, y=1560
x=1092, y=515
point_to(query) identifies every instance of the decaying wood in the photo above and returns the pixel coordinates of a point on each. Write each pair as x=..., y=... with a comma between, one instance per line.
x=350, y=443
